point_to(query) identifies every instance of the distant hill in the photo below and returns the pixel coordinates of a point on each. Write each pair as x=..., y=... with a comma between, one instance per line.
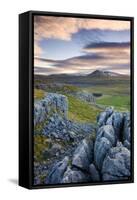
x=103, y=74
x=94, y=74
x=96, y=77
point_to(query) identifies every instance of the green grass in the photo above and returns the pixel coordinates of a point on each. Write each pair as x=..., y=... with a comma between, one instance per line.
x=116, y=94
x=41, y=143
x=81, y=111
x=120, y=103
x=38, y=94
x=117, y=89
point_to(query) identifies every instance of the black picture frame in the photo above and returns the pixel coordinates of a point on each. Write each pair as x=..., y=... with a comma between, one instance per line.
x=26, y=82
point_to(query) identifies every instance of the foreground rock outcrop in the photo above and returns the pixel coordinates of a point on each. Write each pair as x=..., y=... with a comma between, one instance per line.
x=52, y=111
x=105, y=140
x=112, y=156
x=74, y=175
x=91, y=155
x=57, y=172
x=52, y=103
x=83, y=154
x=116, y=165
x=76, y=167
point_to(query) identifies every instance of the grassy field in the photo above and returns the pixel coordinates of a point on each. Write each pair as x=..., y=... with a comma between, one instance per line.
x=117, y=89
x=117, y=95
x=115, y=92
x=81, y=111
x=120, y=103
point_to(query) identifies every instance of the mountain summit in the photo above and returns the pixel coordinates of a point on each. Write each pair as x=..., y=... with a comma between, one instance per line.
x=101, y=74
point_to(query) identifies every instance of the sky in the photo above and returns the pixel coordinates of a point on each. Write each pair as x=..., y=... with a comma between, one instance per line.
x=80, y=46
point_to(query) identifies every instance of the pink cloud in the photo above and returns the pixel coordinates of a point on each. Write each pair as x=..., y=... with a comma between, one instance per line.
x=63, y=27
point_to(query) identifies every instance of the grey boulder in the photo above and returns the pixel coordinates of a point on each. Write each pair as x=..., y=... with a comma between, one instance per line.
x=103, y=116
x=127, y=144
x=105, y=139
x=94, y=173
x=85, y=96
x=50, y=104
x=83, y=154
x=126, y=128
x=108, y=132
x=57, y=172
x=74, y=176
x=116, y=165
x=102, y=147
x=116, y=120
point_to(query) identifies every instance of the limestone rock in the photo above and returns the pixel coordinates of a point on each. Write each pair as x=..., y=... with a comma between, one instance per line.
x=116, y=120
x=51, y=103
x=85, y=96
x=74, y=176
x=57, y=172
x=108, y=132
x=83, y=154
x=94, y=173
x=105, y=139
x=116, y=165
x=103, y=116
x=101, y=148
x=126, y=128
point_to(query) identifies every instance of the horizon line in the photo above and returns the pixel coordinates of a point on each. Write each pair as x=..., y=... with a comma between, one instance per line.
x=81, y=74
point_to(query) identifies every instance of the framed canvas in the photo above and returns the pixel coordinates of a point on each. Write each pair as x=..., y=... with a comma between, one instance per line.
x=76, y=85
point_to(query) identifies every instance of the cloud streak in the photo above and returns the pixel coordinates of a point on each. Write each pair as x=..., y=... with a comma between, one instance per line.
x=107, y=45
x=107, y=56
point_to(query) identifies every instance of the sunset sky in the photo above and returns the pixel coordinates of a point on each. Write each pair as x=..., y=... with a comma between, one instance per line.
x=80, y=46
